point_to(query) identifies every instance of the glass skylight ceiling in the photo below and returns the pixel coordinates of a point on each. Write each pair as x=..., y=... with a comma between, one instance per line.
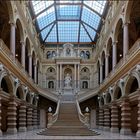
x=68, y=20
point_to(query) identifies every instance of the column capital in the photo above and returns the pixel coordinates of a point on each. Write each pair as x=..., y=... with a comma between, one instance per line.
x=114, y=43
x=22, y=42
x=12, y=23
x=126, y=23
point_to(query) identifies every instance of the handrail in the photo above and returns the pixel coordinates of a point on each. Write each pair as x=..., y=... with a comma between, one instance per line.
x=80, y=114
x=55, y=115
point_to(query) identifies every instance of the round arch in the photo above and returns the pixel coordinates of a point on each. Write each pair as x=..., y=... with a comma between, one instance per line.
x=108, y=98
x=132, y=83
x=117, y=93
x=20, y=92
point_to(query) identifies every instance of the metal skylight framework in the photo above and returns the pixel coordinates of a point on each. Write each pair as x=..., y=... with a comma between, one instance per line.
x=68, y=20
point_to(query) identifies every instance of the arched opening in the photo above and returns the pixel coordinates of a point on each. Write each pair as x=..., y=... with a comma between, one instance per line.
x=134, y=26
x=132, y=85
x=102, y=101
x=33, y=64
x=49, y=55
x=85, y=85
x=53, y=54
x=34, y=101
x=82, y=54
x=103, y=65
x=4, y=23
x=37, y=71
x=119, y=39
x=6, y=84
x=108, y=98
x=19, y=93
x=98, y=70
x=87, y=54
x=27, y=48
x=51, y=84
x=109, y=45
x=118, y=93
x=19, y=34
x=28, y=98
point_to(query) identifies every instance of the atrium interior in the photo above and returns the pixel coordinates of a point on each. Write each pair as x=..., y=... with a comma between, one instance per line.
x=70, y=69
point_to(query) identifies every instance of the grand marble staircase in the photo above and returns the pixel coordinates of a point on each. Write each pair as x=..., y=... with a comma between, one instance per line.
x=68, y=123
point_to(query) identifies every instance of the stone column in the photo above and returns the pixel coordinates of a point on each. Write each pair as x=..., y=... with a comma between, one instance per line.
x=78, y=76
x=106, y=119
x=114, y=118
x=138, y=132
x=35, y=118
x=107, y=65
x=101, y=118
x=22, y=118
x=29, y=118
x=125, y=39
x=61, y=76
x=23, y=54
x=114, y=54
x=12, y=38
x=0, y=113
x=35, y=73
x=12, y=116
x=74, y=75
x=30, y=65
x=126, y=117
x=101, y=73
x=57, y=76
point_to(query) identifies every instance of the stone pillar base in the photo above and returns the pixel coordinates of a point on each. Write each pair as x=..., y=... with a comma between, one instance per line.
x=138, y=134
x=125, y=131
x=12, y=130
x=106, y=128
x=114, y=130
x=29, y=128
x=22, y=129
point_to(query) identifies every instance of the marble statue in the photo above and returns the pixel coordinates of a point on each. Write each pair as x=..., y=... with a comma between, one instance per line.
x=67, y=80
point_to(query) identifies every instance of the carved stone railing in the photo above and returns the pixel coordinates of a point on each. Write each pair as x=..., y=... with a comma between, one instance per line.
x=52, y=118
x=80, y=114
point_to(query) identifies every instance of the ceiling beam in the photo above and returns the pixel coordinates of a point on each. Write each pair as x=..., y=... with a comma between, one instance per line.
x=42, y=11
x=68, y=3
x=89, y=26
x=87, y=32
x=46, y=27
x=93, y=10
x=81, y=10
x=68, y=19
x=56, y=21
x=49, y=32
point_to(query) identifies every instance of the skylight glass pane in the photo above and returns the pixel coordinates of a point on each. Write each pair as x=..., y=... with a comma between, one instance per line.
x=52, y=36
x=68, y=31
x=90, y=31
x=90, y=17
x=46, y=31
x=83, y=35
x=46, y=18
x=68, y=11
x=96, y=5
x=41, y=5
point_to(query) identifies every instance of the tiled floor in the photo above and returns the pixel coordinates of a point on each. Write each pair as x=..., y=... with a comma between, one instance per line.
x=33, y=135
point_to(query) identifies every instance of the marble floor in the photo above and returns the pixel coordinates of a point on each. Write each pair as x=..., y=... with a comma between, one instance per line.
x=33, y=135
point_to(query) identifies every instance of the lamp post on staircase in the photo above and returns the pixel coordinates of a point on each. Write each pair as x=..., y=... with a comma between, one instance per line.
x=50, y=117
x=87, y=113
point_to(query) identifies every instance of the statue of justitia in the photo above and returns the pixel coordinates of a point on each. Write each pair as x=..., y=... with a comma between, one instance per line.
x=67, y=80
